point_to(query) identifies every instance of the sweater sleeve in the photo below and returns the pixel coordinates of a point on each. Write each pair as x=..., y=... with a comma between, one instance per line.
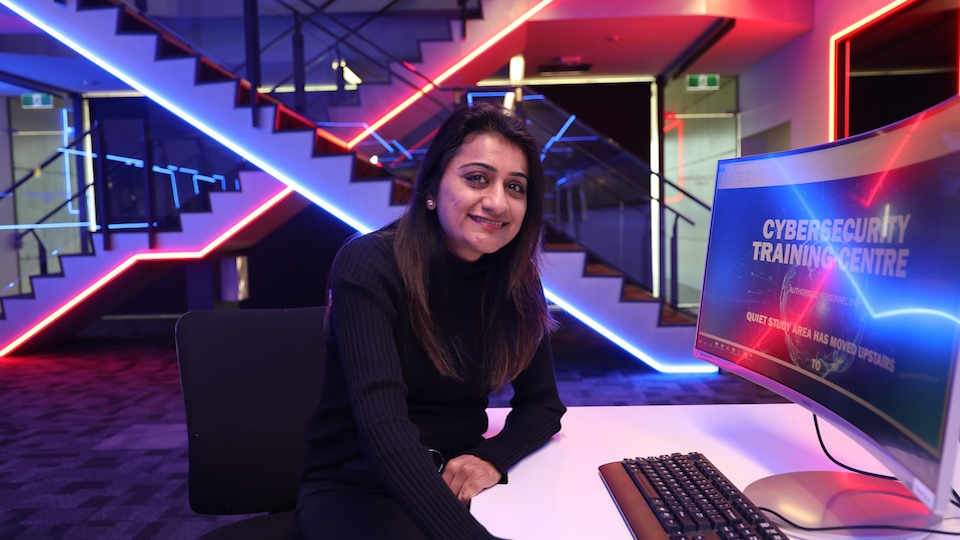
x=367, y=301
x=534, y=417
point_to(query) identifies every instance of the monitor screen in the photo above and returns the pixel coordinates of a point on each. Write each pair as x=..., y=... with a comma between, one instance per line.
x=833, y=278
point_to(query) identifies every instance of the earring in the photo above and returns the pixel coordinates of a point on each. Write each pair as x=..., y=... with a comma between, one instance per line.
x=430, y=204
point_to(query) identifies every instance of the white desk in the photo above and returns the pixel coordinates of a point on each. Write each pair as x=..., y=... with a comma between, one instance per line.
x=557, y=493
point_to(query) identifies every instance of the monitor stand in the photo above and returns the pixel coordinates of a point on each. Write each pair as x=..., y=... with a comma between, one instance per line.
x=835, y=499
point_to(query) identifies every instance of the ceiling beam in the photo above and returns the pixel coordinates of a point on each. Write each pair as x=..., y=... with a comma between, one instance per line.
x=698, y=48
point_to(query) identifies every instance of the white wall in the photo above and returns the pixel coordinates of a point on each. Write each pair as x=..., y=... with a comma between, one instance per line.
x=792, y=85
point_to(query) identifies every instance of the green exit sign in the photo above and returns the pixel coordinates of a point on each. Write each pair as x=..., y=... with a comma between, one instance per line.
x=702, y=82
x=36, y=101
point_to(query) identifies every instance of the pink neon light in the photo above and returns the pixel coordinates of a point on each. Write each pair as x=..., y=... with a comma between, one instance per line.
x=450, y=72
x=147, y=256
x=832, y=63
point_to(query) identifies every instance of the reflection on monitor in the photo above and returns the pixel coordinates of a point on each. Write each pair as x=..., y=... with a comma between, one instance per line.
x=833, y=279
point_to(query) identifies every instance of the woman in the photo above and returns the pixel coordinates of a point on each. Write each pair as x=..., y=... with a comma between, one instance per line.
x=426, y=318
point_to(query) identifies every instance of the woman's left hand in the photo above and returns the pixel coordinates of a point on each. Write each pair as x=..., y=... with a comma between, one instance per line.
x=468, y=475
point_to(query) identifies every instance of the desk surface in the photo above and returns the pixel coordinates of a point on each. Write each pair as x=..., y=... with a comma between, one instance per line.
x=557, y=492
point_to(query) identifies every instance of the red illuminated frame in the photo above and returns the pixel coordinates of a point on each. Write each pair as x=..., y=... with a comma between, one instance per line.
x=671, y=122
x=838, y=123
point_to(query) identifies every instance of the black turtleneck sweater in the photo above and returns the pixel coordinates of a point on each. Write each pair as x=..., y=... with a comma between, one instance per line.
x=383, y=403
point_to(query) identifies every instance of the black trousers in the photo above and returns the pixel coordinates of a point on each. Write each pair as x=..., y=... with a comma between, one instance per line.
x=353, y=513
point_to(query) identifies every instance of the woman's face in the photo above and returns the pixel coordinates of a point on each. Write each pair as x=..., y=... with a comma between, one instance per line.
x=482, y=196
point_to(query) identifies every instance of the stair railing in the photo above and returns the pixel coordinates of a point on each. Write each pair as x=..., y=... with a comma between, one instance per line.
x=606, y=164
x=350, y=38
x=60, y=225
x=46, y=231
x=615, y=205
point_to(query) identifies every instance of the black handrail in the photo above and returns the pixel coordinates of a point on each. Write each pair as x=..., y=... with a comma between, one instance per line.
x=251, y=34
x=317, y=58
x=41, y=253
x=100, y=194
x=674, y=247
x=531, y=92
x=320, y=10
x=610, y=142
x=649, y=198
x=53, y=157
x=51, y=213
x=41, y=248
x=262, y=49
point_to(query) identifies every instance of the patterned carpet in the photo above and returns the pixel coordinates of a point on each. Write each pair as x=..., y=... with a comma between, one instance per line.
x=93, y=442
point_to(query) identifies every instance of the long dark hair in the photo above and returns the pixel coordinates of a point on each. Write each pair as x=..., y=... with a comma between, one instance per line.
x=513, y=311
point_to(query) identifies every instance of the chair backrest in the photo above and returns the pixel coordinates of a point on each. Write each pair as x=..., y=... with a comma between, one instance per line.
x=250, y=380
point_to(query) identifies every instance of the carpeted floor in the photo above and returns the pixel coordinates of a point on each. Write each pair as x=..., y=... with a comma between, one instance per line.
x=93, y=442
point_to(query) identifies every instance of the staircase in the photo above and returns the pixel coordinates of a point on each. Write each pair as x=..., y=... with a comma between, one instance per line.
x=296, y=156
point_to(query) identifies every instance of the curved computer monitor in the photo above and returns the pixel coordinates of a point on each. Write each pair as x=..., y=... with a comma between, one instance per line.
x=833, y=278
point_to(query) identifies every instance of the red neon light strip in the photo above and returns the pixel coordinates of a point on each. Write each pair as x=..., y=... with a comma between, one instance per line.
x=832, y=63
x=148, y=256
x=678, y=124
x=450, y=72
x=333, y=138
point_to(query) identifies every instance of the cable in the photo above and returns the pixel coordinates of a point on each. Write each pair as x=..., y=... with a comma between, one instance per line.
x=816, y=425
x=954, y=500
x=850, y=527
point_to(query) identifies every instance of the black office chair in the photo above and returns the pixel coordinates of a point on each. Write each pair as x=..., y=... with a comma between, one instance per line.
x=250, y=381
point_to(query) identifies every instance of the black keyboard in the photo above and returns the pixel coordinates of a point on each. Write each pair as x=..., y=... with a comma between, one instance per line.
x=683, y=496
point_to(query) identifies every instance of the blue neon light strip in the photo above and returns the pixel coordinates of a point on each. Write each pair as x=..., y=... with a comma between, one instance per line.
x=472, y=95
x=81, y=153
x=212, y=179
x=403, y=150
x=119, y=226
x=703, y=367
x=173, y=183
x=138, y=163
x=582, y=138
x=44, y=226
x=557, y=136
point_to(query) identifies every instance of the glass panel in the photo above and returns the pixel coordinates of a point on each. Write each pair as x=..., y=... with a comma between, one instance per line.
x=47, y=210
x=598, y=194
x=700, y=128
x=42, y=224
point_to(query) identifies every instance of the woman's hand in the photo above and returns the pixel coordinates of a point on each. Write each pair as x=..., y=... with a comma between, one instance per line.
x=468, y=475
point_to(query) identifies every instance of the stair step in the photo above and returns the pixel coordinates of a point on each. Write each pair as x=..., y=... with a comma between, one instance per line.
x=559, y=246
x=600, y=269
x=632, y=291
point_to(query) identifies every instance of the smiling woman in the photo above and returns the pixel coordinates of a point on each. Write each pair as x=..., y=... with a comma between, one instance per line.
x=428, y=317
x=482, y=196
